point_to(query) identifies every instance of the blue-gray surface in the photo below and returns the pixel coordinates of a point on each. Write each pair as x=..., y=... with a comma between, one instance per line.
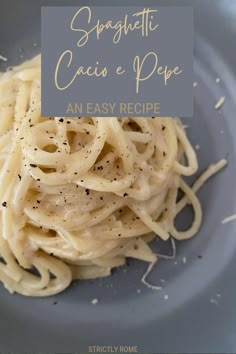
x=199, y=315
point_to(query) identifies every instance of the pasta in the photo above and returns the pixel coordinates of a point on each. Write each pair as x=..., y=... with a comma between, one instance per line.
x=79, y=195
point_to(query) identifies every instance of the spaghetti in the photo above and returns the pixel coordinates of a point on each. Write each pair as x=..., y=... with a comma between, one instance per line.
x=79, y=195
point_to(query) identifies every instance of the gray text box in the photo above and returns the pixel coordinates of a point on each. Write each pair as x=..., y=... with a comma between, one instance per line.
x=83, y=47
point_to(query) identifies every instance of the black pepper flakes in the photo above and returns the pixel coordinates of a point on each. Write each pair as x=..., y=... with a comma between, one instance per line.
x=61, y=120
x=33, y=165
x=19, y=176
x=87, y=191
x=4, y=204
x=125, y=195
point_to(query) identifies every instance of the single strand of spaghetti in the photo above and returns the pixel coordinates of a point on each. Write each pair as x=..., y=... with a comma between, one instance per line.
x=138, y=137
x=93, y=181
x=42, y=280
x=170, y=207
x=210, y=171
x=183, y=235
x=165, y=256
x=189, y=152
x=144, y=281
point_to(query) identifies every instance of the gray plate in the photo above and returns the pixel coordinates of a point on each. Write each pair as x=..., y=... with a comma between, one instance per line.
x=194, y=318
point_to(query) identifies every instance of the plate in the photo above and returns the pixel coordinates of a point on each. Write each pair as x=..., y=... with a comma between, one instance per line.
x=195, y=311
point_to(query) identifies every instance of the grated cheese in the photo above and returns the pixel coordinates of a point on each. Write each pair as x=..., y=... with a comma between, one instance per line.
x=220, y=102
x=3, y=58
x=229, y=219
x=94, y=301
